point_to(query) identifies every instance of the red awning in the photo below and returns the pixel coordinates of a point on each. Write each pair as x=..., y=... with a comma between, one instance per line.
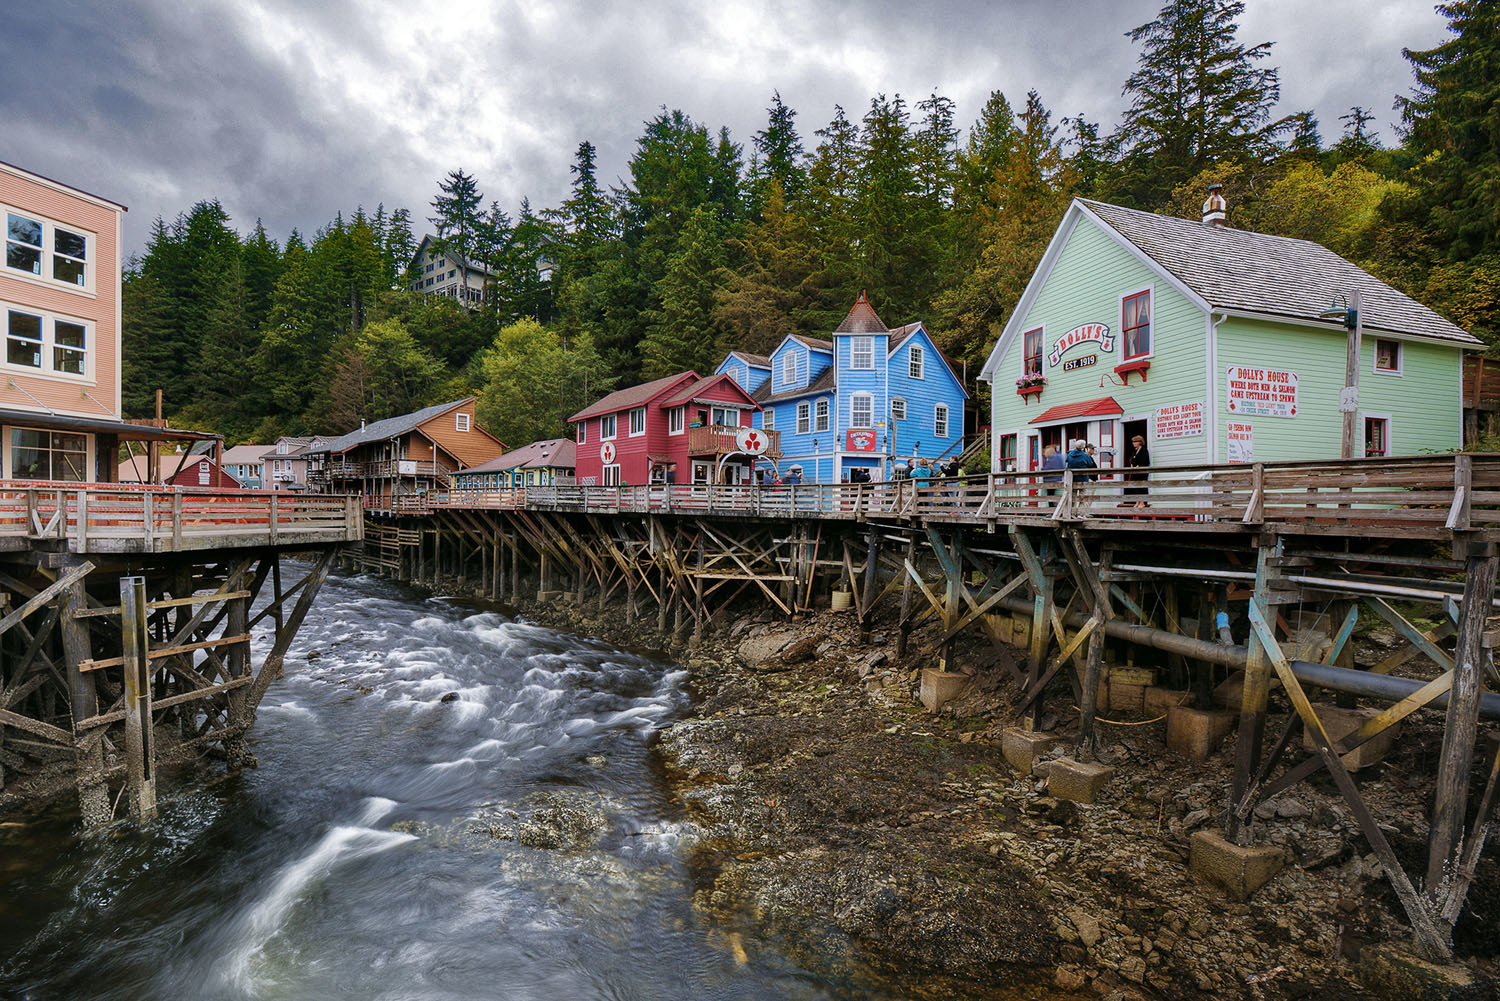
x=1105, y=406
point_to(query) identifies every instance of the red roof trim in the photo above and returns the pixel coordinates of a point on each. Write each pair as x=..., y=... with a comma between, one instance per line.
x=1105, y=406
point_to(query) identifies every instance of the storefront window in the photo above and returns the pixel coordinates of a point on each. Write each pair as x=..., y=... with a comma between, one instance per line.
x=48, y=455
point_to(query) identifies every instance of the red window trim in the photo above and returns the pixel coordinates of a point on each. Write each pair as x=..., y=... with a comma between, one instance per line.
x=1041, y=350
x=1125, y=331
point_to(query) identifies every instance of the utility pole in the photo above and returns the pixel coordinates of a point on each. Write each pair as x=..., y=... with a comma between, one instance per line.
x=1349, y=398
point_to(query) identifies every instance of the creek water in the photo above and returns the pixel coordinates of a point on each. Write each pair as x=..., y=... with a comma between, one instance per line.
x=356, y=861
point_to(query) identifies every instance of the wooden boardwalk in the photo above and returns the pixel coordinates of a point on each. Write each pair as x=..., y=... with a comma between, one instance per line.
x=1418, y=496
x=130, y=518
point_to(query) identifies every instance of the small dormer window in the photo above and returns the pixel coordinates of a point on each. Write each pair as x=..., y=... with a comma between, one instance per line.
x=862, y=353
x=789, y=369
x=461, y=422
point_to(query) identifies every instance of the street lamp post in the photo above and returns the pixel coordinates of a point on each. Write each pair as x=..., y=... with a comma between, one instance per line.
x=1349, y=398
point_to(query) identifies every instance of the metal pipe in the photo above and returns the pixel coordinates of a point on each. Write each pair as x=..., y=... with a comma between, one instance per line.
x=1339, y=679
x=1321, y=583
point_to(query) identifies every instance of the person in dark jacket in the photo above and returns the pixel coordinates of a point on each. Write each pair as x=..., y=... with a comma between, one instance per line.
x=1052, y=466
x=1079, y=458
x=1137, y=459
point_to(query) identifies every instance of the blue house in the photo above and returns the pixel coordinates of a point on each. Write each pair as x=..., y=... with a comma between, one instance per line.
x=858, y=405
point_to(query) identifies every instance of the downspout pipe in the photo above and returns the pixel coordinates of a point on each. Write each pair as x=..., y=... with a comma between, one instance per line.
x=1339, y=679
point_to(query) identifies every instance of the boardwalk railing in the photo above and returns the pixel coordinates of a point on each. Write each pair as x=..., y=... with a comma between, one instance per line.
x=128, y=518
x=1425, y=494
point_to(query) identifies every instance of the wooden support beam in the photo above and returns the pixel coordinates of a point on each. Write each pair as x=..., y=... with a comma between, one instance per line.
x=1257, y=687
x=140, y=743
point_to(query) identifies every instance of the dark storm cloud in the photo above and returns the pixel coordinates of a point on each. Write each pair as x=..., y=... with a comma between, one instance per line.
x=292, y=111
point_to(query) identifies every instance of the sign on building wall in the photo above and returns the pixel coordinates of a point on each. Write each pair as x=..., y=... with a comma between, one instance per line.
x=1261, y=392
x=859, y=441
x=1180, y=420
x=1241, y=442
x=1084, y=333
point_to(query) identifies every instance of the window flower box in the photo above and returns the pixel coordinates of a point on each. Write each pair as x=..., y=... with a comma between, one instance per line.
x=1140, y=365
x=1029, y=386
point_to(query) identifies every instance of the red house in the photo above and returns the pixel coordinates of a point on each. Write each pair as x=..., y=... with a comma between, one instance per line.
x=199, y=471
x=671, y=430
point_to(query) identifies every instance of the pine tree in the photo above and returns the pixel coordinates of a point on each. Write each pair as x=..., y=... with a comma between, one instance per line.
x=458, y=219
x=1197, y=96
x=1450, y=122
x=777, y=289
x=226, y=353
x=147, y=336
x=779, y=154
x=680, y=332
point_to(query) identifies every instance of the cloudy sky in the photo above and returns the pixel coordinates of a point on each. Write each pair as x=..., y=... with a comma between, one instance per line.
x=291, y=110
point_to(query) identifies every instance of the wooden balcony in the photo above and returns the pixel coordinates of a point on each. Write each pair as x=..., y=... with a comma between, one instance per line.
x=126, y=518
x=721, y=440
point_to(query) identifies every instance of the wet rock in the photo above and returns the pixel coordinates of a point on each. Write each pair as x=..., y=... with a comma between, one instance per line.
x=559, y=822
x=1087, y=926
x=799, y=651
x=450, y=697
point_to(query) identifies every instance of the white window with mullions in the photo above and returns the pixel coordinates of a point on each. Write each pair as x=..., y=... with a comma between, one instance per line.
x=820, y=416
x=804, y=417
x=637, y=422
x=940, y=420
x=862, y=410
x=768, y=419
x=44, y=343
x=46, y=251
x=862, y=353
x=34, y=454
x=898, y=409
x=914, y=362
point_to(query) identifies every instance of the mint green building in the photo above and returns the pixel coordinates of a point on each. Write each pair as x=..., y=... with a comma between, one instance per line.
x=1207, y=341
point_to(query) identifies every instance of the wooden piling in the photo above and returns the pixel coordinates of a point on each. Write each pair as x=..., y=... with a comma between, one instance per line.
x=140, y=749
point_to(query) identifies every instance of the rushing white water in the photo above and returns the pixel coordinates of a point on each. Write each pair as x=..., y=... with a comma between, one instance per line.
x=374, y=852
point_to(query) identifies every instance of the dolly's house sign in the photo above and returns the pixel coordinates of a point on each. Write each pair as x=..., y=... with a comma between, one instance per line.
x=1097, y=333
x=1260, y=392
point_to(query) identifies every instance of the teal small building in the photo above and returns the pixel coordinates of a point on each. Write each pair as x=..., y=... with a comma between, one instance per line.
x=541, y=463
x=1213, y=344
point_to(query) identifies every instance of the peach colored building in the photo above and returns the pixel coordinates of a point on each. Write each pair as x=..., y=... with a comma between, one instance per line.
x=60, y=413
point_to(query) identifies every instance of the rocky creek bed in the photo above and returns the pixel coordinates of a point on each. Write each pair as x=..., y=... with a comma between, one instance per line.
x=890, y=845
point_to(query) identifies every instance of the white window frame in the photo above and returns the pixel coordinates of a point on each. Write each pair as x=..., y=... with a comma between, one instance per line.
x=462, y=422
x=49, y=251
x=637, y=421
x=720, y=416
x=916, y=363
x=821, y=411
x=940, y=415
x=1375, y=357
x=768, y=419
x=862, y=349
x=789, y=368
x=49, y=345
x=1390, y=439
x=611, y=476
x=898, y=404
x=1150, y=291
x=854, y=411
x=609, y=426
x=583, y=432
x=676, y=420
x=804, y=417
x=7, y=438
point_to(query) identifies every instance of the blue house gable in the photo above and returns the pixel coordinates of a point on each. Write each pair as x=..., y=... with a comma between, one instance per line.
x=749, y=370
x=859, y=405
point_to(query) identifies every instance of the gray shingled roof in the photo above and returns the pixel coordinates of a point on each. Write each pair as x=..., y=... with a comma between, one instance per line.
x=556, y=453
x=1274, y=275
x=391, y=427
x=861, y=319
x=759, y=361
x=823, y=382
x=631, y=396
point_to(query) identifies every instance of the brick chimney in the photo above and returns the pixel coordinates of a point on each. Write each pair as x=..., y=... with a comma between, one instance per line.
x=1214, y=207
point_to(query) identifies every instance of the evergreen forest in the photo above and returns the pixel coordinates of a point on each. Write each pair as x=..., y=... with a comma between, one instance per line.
x=710, y=242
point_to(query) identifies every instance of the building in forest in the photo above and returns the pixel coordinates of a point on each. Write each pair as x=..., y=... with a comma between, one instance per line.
x=402, y=456
x=850, y=408
x=1213, y=345
x=60, y=412
x=683, y=428
x=546, y=463
x=247, y=464
x=448, y=273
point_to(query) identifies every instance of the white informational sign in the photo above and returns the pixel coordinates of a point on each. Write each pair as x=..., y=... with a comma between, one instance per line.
x=607, y=453
x=1260, y=392
x=406, y=467
x=1241, y=442
x=1180, y=420
x=751, y=441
